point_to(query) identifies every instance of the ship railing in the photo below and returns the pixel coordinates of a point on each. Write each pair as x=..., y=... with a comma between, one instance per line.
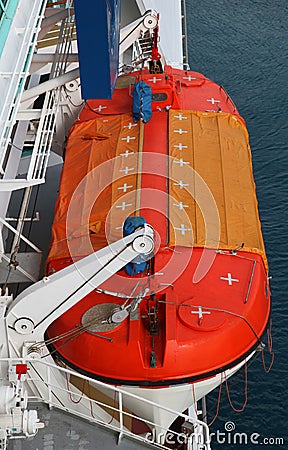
x=185, y=35
x=42, y=146
x=41, y=126
x=14, y=264
x=44, y=120
x=113, y=414
x=19, y=43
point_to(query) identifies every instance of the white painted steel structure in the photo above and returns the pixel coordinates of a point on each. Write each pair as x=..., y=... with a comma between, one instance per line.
x=61, y=393
x=14, y=64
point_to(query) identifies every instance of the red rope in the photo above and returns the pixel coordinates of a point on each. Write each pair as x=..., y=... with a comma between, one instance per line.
x=70, y=393
x=89, y=395
x=270, y=348
x=91, y=406
x=218, y=403
x=246, y=392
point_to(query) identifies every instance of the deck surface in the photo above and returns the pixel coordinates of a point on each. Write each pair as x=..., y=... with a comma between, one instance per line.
x=65, y=432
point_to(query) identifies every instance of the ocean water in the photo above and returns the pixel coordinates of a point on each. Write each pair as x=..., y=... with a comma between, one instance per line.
x=242, y=45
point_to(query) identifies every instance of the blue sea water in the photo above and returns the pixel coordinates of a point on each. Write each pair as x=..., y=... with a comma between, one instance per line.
x=242, y=45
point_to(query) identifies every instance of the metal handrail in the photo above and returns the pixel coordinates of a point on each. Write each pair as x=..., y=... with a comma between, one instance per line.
x=185, y=36
x=20, y=235
x=17, y=77
x=114, y=424
x=46, y=127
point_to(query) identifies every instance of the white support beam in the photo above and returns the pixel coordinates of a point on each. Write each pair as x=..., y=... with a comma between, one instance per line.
x=20, y=235
x=46, y=58
x=49, y=22
x=18, y=183
x=40, y=60
x=30, y=95
x=28, y=114
x=132, y=32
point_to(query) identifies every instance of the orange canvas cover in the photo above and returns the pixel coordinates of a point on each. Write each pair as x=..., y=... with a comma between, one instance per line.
x=216, y=146
x=205, y=148
x=96, y=153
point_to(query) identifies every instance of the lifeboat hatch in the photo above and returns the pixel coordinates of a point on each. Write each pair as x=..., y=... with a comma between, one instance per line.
x=199, y=318
x=96, y=319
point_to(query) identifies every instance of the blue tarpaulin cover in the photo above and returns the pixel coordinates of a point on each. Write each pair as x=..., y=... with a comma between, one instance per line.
x=142, y=99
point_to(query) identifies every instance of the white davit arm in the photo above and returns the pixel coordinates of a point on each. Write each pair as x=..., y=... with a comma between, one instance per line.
x=39, y=305
x=136, y=29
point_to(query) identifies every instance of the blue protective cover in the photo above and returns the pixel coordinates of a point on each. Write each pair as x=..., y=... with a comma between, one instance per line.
x=98, y=35
x=142, y=102
x=138, y=265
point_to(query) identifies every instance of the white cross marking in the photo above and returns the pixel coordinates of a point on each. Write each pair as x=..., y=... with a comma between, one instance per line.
x=127, y=153
x=128, y=138
x=229, y=279
x=180, y=206
x=126, y=170
x=213, y=101
x=181, y=184
x=100, y=107
x=182, y=229
x=123, y=205
x=180, y=131
x=181, y=162
x=189, y=78
x=130, y=125
x=125, y=187
x=154, y=79
x=180, y=117
x=180, y=146
x=200, y=313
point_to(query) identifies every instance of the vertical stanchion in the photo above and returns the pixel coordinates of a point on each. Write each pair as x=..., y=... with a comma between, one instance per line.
x=120, y=417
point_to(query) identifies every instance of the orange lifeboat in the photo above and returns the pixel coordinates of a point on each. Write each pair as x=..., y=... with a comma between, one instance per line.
x=205, y=298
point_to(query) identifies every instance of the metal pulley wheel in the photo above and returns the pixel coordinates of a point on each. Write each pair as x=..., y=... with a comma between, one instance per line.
x=151, y=20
